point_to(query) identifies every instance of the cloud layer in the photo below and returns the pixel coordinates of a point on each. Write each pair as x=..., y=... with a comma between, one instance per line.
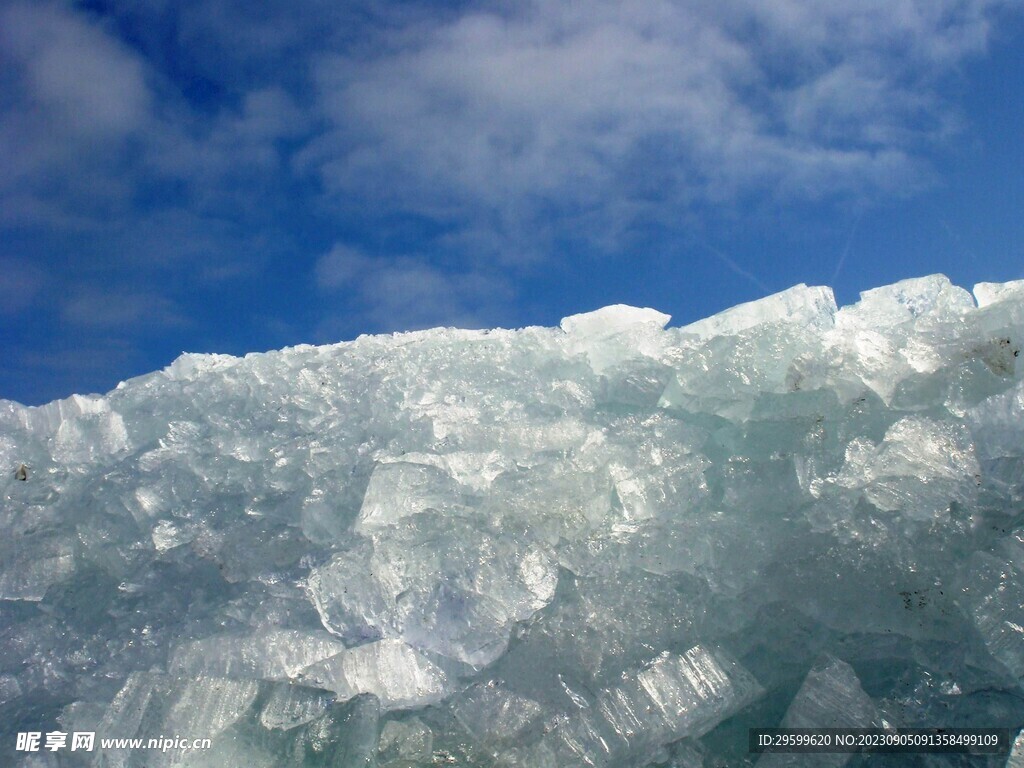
x=608, y=113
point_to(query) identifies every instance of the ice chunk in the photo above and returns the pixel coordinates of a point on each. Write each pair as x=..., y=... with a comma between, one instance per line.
x=400, y=489
x=46, y=419
x=289, y=706
x=919, y=469
x=1016, y=758
x=830, y=697
x=906, y=302
x=32, y=563
x=90, y=437
x=168, y=535
x=354, y=594
x=994, y=595
x=675, y=696
x=190, y=366
x=900, y=334
x=1012, y=548
x=127, y=713
x=9, y=688
x=442, y=584
x=154, y=706
x=269, y=654
x=767, y=346
x=659, y=484
x=813, y=308
x=404, y=744
x=608, y=622
x=609, y=321
x=206, y=706
x=389, y=669
x=556, y=499
x=494, y=715
x=992, y=293
x=613, y=335
x=997, y=426
x=472, y=470
x=697, y=690
x=344, y=736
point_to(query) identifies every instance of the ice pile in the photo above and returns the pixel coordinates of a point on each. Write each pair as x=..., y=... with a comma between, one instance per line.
x=609, y=544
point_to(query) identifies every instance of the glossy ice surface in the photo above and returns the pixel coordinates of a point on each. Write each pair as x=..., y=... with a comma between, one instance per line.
x=612, y=543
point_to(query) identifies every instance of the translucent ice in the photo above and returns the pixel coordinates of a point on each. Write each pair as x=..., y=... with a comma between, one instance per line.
x=1016, y=759
x=610, y=543
x=404, y=744
x=389, y=669
x=993, y=592
x=673, y=697
x=32, y=563
x=440, y=582
x=612, y=335
x=289, y=706
x=151, y=706
x=398, y=490
x=831, y=697
x=919, y=469
x=494, y=715
x=269, y=654
x=208, y=705
x=815, y=307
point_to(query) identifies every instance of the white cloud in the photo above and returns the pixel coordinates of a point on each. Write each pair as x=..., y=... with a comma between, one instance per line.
x=341, y=266
x=83, y=78
x=89, y=124
x=399, y=293
x=121, y=310
x=73, y=97
x=604, y=111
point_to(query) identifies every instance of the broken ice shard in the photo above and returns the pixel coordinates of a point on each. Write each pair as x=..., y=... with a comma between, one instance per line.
x=389, y=669
x=33, y=563
x=613, y=542
x=289, y=706
x=673, y=697
x=993, y=593
x=405, y=744
x=439, y=582
x=271, y=654
x=495, y=716
x=831, y=697
x=1016, y=758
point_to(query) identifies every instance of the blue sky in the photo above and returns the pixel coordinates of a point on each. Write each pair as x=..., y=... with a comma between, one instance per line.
x=229, y=176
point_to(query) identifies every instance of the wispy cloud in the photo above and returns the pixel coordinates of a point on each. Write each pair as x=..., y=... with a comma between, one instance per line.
x=407, y=292
x=82, y=81
x=511, y=127
x=93, y=308
x=641, y=107
x=74, y=95
x=20, y=285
